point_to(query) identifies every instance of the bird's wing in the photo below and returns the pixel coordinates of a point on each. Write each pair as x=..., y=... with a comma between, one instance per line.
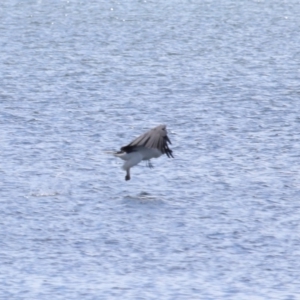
x=154, y=138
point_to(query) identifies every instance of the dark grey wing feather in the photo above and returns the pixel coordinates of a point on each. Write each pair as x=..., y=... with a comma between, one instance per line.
x=154, y=138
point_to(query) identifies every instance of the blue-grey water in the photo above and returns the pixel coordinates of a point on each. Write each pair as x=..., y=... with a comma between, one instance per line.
x=80, y=79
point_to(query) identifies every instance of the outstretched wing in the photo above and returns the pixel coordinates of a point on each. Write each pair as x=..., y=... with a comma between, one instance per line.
x=154, y=138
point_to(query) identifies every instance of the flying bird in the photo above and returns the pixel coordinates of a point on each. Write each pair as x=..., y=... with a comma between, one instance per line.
x=151, y=144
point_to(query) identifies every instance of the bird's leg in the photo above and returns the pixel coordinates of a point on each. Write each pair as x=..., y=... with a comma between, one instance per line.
x=150, y=164
x=127, y=177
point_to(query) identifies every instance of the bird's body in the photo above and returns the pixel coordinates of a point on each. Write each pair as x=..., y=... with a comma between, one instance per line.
x=151, y=144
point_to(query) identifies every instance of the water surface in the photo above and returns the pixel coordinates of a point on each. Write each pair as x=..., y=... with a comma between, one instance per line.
x=81, y=79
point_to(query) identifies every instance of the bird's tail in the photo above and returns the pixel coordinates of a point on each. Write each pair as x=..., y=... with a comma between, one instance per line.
x=119, y=153
x=123, y=155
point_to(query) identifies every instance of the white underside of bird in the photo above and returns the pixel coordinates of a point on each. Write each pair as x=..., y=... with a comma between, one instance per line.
x=141, y=153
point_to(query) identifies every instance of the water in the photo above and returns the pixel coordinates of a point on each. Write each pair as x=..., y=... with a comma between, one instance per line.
x=81, y=79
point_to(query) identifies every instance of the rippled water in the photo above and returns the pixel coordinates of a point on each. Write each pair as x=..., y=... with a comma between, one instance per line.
x=80, y=79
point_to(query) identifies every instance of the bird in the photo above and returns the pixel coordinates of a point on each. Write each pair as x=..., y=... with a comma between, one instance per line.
x=151, y=144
